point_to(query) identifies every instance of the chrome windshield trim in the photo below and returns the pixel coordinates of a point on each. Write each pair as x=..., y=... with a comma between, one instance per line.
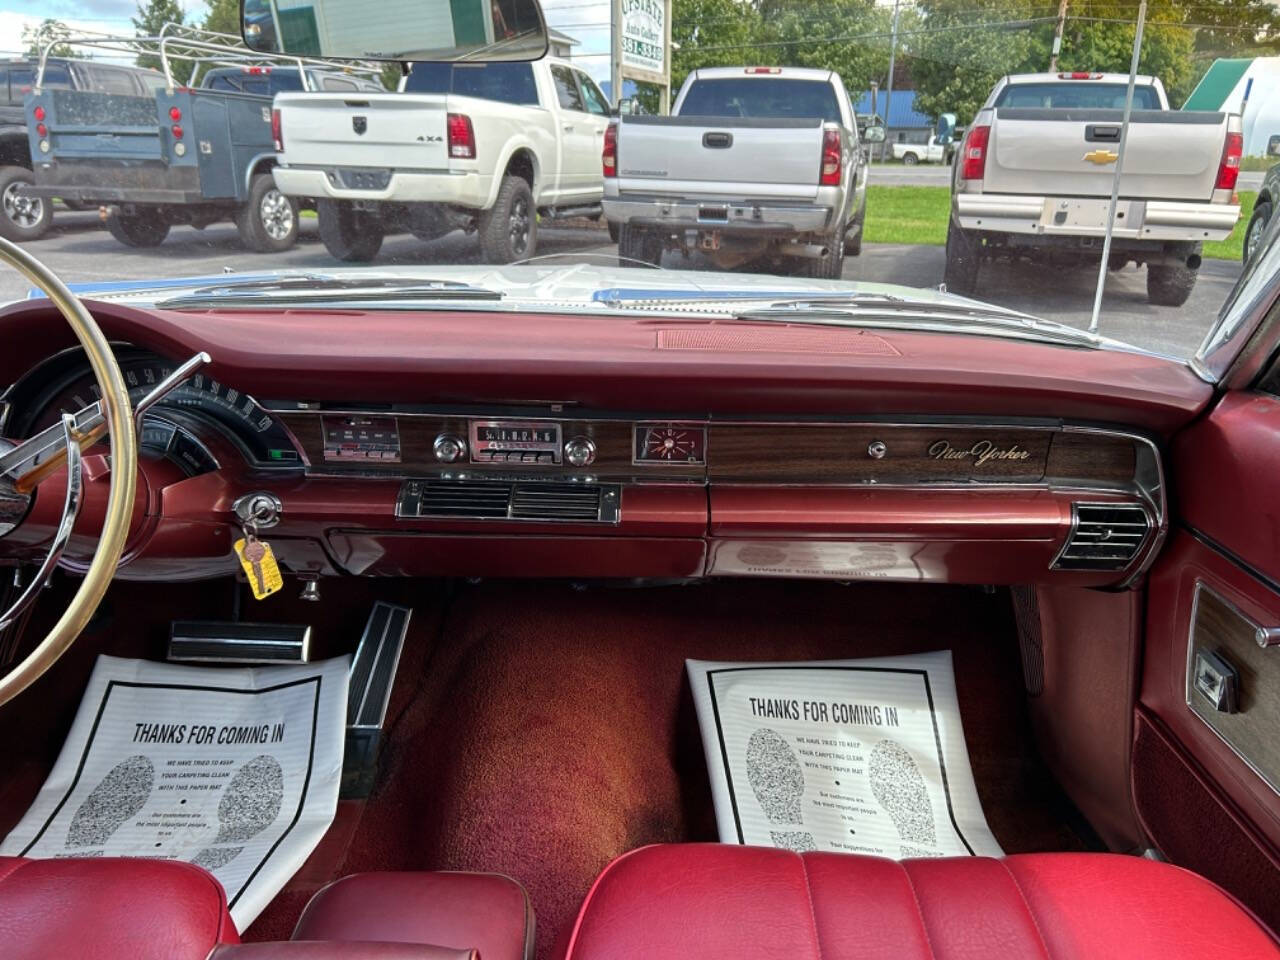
x=1251, y=302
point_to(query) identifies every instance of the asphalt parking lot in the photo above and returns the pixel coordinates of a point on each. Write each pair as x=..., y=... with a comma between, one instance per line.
x=80, y=250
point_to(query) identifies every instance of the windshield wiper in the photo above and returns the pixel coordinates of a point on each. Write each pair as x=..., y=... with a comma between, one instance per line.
x=883, y=310
x=330, y=291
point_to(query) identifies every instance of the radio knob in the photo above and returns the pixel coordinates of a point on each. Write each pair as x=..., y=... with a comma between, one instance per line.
x=449, y=448
x=580, y=451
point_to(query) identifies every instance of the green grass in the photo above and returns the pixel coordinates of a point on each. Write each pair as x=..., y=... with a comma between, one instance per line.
x=918, y=215
x=1258, y=163
x=1232, y=248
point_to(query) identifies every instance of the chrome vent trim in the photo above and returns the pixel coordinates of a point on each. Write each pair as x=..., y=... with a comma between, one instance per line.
x=1104, y=536
x=478, y=499
x=537, y=500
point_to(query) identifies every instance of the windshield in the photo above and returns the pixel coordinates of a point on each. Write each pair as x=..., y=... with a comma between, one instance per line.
x=1069, y=94
x=928, y=164
x=762, y=97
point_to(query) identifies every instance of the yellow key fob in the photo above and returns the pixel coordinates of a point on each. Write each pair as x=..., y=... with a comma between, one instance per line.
x=260, y=567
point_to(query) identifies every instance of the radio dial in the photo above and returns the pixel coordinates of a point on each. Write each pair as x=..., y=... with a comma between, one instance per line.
x=449, y=448
x=580, y=451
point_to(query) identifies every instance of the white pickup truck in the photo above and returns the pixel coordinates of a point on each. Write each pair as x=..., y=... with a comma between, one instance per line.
x=936, y=150
x=487, y=147
x=1033, y=179
x=755, y=164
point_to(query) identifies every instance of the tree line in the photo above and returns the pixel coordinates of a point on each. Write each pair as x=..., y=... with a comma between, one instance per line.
x=951, y=52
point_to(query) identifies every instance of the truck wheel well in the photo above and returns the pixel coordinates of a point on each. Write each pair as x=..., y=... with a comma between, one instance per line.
x=15, y=152
x=1262, y=197
x=522, y=165
x=265, y=165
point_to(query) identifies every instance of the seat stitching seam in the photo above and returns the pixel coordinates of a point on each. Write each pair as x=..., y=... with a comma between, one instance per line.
x=924, y=928
x=1027, y=906
x=813, y=913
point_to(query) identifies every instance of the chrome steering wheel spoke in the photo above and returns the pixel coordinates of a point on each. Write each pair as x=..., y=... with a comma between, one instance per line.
x=70, y=511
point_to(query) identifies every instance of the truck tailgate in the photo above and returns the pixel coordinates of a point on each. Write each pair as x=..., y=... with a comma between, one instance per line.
x=84, y=125
x=392, y=130
x=1170, y=155
x=720, y=156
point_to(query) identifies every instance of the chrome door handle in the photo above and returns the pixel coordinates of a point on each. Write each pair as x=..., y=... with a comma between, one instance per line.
x=568, y=128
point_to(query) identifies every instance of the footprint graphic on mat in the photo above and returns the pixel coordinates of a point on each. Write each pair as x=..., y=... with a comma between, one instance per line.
x=114, y=801
x=774, y=772
x=899, y=787
x=250, y=803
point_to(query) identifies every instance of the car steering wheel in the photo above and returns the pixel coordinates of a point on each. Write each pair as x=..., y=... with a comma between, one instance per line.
x=24, y=465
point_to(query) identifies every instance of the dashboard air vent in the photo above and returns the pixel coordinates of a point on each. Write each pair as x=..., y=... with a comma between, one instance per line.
x=541, y=500
x=479, y=499
x=1104, y=536
x=557, y=501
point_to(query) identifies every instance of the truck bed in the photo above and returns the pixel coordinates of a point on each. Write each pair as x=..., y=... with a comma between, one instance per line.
x=110, y=148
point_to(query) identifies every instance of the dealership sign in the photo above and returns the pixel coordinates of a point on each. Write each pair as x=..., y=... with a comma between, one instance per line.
x=644, y=35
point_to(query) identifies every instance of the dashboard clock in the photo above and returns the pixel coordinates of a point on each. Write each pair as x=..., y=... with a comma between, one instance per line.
x=669, y=443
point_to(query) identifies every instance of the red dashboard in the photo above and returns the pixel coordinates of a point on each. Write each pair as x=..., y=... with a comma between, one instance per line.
x=620, y=446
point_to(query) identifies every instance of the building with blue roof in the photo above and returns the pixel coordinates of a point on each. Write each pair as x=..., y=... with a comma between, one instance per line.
x=905, y=123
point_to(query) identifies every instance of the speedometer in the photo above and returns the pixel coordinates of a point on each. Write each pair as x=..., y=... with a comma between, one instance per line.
x=261, y=437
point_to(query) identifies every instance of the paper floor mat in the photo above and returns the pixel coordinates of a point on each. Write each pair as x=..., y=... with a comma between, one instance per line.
x=852, y=756
x=236, y=770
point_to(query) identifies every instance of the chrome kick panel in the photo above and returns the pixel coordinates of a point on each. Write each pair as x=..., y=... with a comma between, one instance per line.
x=543, y=501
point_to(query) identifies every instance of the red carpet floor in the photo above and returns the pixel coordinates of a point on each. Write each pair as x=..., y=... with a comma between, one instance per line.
x=548, y=730
x=540, y=731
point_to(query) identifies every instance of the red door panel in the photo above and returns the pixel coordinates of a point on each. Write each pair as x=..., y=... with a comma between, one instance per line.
x=1226, y=471
x=1201, y=800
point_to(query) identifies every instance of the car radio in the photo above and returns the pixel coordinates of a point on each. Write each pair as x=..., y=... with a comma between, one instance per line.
x=513, y=441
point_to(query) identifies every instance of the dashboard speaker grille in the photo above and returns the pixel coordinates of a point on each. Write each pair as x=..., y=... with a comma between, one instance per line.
x=499, y=500
x=1104, y=536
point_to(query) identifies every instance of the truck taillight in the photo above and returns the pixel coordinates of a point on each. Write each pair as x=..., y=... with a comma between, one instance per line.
x=38, y=113
x=462, y=138
x=175, y=114
x=762, y=70
x=277, y=131
x=974, y=153
x=1079, y=75
x=609, y=158
x=176, y=131
x=1229, y=169
x=42, y=130
x=830, y=159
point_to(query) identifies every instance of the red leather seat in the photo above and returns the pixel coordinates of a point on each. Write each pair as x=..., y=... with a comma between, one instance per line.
x=108, y=908
x=485, y=911
x=714, y=901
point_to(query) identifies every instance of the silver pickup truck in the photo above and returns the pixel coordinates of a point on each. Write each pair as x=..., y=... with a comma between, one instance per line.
x=1033, y=180
x=755, y=164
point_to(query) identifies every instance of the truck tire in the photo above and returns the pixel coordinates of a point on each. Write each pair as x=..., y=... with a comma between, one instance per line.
x=268, y=221
x=1257, y=227
x=910, y=159
x=1169, y=286
x=348, y=234
x=24, y=218
x=509, y=229
x=963, y=260
x=615, y=229
x=638, y=243
x=830, y=266
x=144, y=229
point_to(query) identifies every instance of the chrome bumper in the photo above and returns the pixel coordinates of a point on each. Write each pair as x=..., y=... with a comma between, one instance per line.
x=1155, y=220
x=743, y=218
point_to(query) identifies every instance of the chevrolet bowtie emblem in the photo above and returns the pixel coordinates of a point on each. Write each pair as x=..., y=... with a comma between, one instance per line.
x=1101, y=156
